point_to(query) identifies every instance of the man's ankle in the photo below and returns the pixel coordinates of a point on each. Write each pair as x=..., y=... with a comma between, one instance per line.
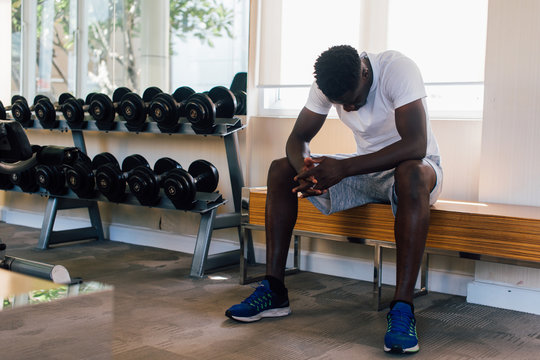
x=276, y=285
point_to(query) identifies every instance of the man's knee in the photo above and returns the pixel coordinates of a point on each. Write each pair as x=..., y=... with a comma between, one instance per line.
x=414, y=177
x=281, y=171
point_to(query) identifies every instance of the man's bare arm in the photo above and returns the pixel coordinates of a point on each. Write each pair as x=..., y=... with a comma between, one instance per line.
x=411, y=126
x=306, y=127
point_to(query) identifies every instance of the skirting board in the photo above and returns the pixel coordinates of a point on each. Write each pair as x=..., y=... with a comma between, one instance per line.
x=504, y=296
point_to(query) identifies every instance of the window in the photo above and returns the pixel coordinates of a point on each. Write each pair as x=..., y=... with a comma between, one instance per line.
x=99, y=45
x=451, y=57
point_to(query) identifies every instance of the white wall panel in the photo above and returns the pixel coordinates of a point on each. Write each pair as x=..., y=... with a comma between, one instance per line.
x=511, y=131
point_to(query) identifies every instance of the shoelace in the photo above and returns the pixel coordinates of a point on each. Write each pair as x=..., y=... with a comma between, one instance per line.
x=401, y=322
x=261, y=298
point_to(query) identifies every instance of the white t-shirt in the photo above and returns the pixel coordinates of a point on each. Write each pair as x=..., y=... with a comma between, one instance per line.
x=396, y=82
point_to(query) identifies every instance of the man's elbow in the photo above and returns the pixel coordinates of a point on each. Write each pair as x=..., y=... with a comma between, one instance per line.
x=418, y=150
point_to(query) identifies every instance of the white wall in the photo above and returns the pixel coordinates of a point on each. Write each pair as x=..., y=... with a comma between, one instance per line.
x=509, y=167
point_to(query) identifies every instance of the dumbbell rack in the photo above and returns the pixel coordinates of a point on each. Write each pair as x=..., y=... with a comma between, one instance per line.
x=206, y=203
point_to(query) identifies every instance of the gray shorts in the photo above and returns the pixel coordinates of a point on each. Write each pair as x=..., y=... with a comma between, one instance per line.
x=375, y=187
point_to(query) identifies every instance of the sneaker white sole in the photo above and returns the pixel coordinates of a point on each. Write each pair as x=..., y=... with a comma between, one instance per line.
x=402, y=351
x=279, y=312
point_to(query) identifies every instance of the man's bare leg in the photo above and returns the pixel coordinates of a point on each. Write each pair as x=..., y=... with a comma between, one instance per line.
x=414, y=181
x=280, y=216
x=270, y=298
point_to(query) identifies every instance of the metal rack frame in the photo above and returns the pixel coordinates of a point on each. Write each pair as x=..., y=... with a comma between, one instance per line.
x=207, y=203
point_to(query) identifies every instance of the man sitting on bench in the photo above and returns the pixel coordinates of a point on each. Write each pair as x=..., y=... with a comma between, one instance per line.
x=381, y=98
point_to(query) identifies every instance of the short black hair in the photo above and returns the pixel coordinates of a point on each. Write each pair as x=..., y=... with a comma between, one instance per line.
x=337, y=70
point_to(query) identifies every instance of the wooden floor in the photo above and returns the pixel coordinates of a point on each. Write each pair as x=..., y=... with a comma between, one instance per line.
x=162, y=313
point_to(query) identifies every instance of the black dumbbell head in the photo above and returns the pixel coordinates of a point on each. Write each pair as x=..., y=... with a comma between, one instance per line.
x=80, y=177
x=144, y=185
x=109, y=177
x=141, y=179
x=225, y=101
x=179, y=187
x=241, y=102
x=201, y=113
x=26, y=180
x=119, y=93
x=88, y=99
x=164, y=112
x=16, y=98
x=181, y=95
x=104, y=158
x=110, y=182
x=73, y=112
x=52, y=179
x=205, y=174
x=165, y=164
x=133, y=111
x=150, y=93
x=46, y=114
x=21, y=112
x=102, y=110
x=64, y=97
x=132, y=161
x=39, y=97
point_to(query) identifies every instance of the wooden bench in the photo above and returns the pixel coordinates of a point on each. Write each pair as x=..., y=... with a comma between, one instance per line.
x=501, y=233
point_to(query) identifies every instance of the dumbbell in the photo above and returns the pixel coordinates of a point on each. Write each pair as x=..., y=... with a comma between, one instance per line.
x=74, y=109
x=80, y=176
x=5, y=109
x=203, y=109
x=241, y=101
x=20, y=110
x=51, y=178
x=181, y=186
x=45, y=110
x=239, y=88
x=166, y=109
x=26, y=180
x=145, y=184
x=111, y=179
x=104, y=110
x=134, y=109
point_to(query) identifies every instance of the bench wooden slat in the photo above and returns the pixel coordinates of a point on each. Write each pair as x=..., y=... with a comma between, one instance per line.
x=498, y=230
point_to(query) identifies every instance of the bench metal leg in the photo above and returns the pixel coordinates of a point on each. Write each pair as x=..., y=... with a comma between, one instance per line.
x=244, y=257
x=296, y=260
x=377, y=277
x=423, y=276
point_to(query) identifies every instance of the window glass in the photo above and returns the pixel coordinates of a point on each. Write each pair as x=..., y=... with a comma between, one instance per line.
x=55, y=50
x=208, y=42
x=113, y=45
x=311, y=26
x=447, y=39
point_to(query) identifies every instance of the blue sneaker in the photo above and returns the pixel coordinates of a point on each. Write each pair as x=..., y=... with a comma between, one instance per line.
x=262, y=303
x=401, y=332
